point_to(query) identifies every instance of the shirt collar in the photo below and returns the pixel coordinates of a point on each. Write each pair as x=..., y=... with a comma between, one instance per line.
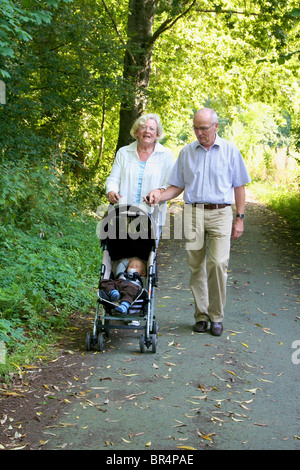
x=217, y=142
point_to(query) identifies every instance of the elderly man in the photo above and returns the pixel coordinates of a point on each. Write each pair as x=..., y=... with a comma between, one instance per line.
x=210, y=171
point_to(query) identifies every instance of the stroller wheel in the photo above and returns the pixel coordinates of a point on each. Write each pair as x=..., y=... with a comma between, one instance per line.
x=100, y=342
x=154, y=328
x=88, y=342
x=154, y=343
x=142, y=344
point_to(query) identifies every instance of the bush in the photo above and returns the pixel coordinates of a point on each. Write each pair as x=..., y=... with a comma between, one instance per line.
x=49, y=254
x=284, y=200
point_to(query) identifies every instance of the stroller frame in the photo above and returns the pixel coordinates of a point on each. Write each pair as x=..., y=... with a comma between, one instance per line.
x=125, y=232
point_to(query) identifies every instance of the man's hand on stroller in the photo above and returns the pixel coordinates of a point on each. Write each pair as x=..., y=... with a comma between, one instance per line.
x=153, y=197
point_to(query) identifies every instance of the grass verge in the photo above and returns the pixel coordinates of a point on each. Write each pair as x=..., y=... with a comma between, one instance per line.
x=284, y=200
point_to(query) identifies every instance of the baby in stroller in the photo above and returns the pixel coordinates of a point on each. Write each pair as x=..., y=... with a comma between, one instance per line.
x=126, y=286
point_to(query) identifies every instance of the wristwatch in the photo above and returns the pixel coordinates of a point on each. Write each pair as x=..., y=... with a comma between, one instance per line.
x=241, y=216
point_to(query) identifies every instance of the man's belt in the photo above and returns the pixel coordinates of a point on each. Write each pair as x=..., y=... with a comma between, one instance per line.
x=210, y=206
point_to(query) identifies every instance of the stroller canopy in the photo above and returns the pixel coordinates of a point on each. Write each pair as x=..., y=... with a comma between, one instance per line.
x=127, y=231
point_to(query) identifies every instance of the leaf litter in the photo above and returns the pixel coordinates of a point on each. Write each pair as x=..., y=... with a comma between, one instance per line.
x=220, y=397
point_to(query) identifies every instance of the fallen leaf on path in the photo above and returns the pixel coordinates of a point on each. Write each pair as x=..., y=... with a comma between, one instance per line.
x=12, y=394
x=19, y=448
x=202, y=397
x=265, y=330
x=252, y=367
x=61, y=425
x=205, y=436
x=3, y=420
x=42, y=443
x=108, y=443
x=134, y=395
x=131, y=434
x=179, y=425
x=215, y=375
x=265, y=313
x=186, y=448
x=30, y=367
x=219, y=420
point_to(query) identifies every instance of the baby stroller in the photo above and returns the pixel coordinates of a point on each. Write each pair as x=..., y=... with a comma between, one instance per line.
x=125, y=232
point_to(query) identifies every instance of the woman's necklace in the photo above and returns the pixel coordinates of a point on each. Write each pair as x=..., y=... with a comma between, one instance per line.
x=145, y=154
x=146, y=151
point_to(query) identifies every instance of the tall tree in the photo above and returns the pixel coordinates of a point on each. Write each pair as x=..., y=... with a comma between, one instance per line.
x=261, y=24
x=138, y=54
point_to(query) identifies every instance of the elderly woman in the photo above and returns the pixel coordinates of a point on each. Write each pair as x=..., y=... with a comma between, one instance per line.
x=141, y=166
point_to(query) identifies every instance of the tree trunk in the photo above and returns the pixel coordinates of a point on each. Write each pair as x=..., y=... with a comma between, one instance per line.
x=137, y=64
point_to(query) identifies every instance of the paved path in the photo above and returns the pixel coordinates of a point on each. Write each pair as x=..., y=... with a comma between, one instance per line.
x=239, y=391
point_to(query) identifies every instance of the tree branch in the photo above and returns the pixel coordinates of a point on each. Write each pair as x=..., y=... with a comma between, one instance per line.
x=113, y=22
x=117, y=31
x=169, y=23
x=234, y=12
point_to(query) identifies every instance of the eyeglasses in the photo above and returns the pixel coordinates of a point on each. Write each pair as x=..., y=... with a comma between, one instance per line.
x=203, y=129
x=144, y=128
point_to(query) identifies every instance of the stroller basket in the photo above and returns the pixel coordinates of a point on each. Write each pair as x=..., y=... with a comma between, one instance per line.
x=127, y=232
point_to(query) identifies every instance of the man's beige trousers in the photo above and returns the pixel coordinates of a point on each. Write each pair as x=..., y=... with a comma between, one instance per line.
x=208, y=234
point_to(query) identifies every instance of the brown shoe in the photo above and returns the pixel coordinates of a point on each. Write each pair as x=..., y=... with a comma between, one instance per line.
x=216, y=328
x=200, y=326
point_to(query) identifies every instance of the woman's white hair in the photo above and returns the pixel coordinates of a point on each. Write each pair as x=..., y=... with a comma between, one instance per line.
x=142, y=120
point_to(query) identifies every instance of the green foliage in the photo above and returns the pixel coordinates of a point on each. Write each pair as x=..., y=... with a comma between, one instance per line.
x=67, y=82
x=49, y=253
x=63, y=92
x=284, y=200
x=10, y=332
x=42, y=276
x=13, y=20
x=210, y=63
x=256, y=125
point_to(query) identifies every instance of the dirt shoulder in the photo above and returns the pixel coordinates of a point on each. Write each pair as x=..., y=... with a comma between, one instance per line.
x=38, y=393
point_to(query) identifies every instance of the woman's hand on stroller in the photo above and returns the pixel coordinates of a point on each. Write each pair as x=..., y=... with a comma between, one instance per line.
x=113, y=197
